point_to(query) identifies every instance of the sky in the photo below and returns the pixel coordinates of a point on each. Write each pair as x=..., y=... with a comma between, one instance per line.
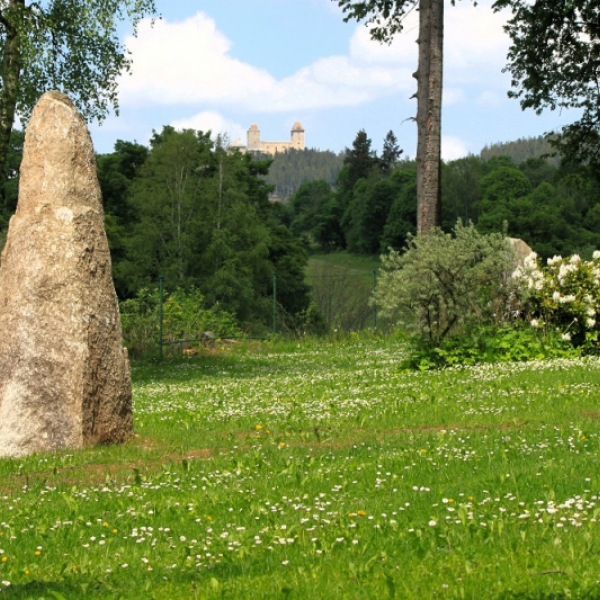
x=223, y=65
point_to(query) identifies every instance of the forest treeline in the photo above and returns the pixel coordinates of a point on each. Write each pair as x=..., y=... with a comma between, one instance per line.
x=289, y=170
x=522, y=149
x=372, y=207
x=187, y=208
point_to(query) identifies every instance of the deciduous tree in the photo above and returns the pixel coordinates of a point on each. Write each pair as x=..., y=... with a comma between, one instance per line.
x=554, y=61
x=70, y=45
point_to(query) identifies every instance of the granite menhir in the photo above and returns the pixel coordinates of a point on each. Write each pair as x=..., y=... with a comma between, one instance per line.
x=65, y=380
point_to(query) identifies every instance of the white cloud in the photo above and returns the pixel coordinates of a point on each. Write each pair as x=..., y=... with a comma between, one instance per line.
x=186, y=63
x=475, y=45
x=210, y=120
x=453, y=148
x=189, y=63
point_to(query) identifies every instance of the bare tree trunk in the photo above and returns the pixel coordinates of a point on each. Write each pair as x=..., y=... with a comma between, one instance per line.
x=429, y=114
x=10, y=74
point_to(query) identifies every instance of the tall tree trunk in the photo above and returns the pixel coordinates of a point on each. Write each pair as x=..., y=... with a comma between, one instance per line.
x=11, y=70
x=429, y=114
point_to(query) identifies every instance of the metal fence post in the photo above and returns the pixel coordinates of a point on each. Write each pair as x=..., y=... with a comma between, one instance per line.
x=274, y=302
x=160, y=318
x=374, y=303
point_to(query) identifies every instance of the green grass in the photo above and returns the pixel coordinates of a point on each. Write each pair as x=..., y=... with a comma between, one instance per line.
x=319, y=471
x=359, y=264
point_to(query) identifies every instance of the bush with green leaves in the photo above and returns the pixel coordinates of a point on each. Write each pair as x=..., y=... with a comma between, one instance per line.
x=443, y=284
x=185, y=317
x=492, y=344
x=563, y=296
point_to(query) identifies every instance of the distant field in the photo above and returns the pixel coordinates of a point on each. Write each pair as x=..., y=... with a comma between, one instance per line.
x=345, y=260
x=321, y=471
x=342, y=285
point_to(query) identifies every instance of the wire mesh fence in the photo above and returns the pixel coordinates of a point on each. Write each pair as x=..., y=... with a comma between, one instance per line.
x=344, y=296
x=340, y=300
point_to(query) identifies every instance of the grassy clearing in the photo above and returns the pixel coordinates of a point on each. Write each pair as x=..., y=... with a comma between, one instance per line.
x=353, y=262
x=321, y=471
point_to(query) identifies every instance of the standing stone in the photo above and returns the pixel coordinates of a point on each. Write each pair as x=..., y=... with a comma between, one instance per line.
x=64, y=375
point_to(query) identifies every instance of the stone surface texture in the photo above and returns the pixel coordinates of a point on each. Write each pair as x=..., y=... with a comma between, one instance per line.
x=521, y=249
x=64, y=376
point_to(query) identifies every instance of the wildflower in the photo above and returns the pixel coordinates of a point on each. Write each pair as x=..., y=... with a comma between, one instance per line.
x=259, y=427
x=566, y=337
x=596, y=254
x=432, y=523
x=534, y=323
x=4, y=559
x=361, y=513
x=590, y=323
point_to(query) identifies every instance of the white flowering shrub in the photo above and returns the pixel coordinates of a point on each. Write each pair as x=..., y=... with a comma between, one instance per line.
x=563, y=295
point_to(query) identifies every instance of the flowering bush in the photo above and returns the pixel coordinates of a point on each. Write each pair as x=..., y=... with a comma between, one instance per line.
x=563, y=295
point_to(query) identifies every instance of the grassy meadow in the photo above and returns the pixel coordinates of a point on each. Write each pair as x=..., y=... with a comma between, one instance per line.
x=321, y=471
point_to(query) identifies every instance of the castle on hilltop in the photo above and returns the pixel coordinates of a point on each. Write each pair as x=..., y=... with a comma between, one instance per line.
x=254, y=143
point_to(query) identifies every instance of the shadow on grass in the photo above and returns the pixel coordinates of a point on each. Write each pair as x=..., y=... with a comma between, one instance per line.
x=59, y=590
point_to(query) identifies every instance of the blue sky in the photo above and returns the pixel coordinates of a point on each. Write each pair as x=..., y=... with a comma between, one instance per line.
x=226, y=64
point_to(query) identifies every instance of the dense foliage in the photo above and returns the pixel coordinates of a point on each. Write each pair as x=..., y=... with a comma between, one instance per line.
x=521, y=149
x=69, y=45
x=187, y=209
x=462, y=299
x=289, y=170
x=443, y=285
x=185, y=320
x=372, y=207
x=554, y=61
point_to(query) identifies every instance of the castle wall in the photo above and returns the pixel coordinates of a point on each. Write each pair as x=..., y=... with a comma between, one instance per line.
x=255, y=144
x=275, y=147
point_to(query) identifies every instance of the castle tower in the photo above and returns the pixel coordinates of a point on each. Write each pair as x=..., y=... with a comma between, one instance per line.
x=298, y=136
x=253, y=138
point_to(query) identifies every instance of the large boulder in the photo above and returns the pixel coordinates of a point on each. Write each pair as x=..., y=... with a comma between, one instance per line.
x=64, y=375
x=521, y=249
